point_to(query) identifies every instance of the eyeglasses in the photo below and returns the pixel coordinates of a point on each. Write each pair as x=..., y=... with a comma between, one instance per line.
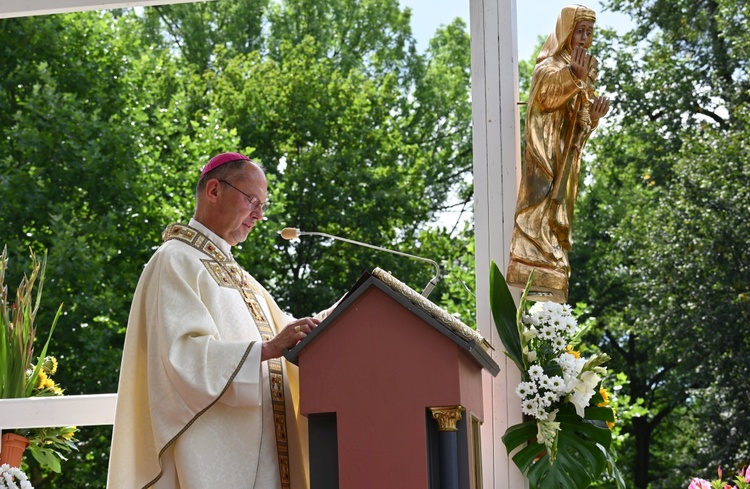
x=253, y=201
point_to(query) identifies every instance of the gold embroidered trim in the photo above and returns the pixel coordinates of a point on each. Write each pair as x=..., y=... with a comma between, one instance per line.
x=227, y=273
x=276, y=377
x=194, y=238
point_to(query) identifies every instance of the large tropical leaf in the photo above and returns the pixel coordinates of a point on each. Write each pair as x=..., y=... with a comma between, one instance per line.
x=582, y=446
x=504, y=312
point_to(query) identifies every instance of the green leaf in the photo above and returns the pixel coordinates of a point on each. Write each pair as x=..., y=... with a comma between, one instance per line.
x=504, y=313
x=582, y=449
x=600, y=413
x=40, y=359
x=518, y=434
x=47, y=457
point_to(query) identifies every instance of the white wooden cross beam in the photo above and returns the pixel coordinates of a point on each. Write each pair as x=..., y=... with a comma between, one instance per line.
x=26, y=8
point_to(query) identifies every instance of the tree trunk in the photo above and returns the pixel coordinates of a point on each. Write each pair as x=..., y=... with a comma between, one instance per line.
x=642, y=434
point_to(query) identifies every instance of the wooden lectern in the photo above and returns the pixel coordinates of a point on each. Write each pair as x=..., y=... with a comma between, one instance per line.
x=392, y=388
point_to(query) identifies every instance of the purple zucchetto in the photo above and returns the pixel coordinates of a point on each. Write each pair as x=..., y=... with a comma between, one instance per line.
x=222, y=158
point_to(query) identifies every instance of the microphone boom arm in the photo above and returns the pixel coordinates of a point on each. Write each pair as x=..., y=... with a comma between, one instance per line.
x=431, y=285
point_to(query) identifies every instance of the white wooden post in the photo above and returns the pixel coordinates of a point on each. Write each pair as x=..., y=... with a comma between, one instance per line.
x=494, y=71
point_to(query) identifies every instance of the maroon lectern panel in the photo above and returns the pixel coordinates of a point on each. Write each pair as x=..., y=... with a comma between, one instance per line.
x=379, y=365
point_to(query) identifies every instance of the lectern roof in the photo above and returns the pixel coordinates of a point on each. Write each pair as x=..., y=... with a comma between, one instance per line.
x=465, y=337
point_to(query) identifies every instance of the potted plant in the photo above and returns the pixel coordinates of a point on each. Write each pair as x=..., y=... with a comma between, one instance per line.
x=22, y=376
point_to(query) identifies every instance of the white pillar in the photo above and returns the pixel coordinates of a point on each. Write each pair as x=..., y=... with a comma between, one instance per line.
x=494, y=69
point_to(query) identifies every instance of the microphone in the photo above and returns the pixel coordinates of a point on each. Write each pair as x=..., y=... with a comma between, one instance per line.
x=291, y=233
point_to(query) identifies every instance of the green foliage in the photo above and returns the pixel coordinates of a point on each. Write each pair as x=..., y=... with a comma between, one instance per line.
x=18, y=376
x=108, y=116
x=506, y=317
x=580, y=459
x=48, y=446
x=660, y=250
x=458, y=283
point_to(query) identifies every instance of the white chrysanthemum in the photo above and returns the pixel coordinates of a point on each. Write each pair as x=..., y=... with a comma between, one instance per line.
x=570, y=325
x=567, y=362
x=536, y=308
x=553, y=308
x=557, y=322
x=530, y=407
x=536, y=371
x=547, y=332
x=526, y=389
x=14, y=478
x=545, y=317
x=531, y=319
x=541, y=413
x=559, y=343
x=571, y=367
x=556, y=384
x=549, y=398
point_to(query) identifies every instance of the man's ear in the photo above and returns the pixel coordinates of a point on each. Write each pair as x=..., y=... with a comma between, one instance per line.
x=211, y=190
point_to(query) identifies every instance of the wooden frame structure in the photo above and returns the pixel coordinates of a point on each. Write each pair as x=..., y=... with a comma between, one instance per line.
x=494, y=66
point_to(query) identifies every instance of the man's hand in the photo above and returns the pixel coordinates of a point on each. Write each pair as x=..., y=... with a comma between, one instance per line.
x=288, y=337
x=580, y=62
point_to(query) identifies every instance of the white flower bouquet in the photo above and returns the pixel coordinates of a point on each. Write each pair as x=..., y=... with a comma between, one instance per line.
x=13, y=478
x=566, y=439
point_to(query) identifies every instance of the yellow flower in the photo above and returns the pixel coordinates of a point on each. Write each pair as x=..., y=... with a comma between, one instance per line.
x=42, y=379
x=571, y=351
x=605, y=402
x=605, y=397
x=50, y=365
x=68, y=435
x=611, y=424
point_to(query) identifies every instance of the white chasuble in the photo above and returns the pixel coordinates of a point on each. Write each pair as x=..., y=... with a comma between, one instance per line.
x=194, y=404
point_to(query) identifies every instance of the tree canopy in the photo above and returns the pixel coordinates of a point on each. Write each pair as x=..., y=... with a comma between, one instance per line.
x=661, y=253
x=107, y=118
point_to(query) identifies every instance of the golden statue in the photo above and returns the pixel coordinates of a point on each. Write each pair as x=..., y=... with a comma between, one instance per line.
x=563, y=110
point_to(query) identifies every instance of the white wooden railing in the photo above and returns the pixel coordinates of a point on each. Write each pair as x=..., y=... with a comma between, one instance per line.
x=41, y=412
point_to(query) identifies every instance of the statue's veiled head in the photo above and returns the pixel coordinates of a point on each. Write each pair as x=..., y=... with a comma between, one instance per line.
x=559, y=40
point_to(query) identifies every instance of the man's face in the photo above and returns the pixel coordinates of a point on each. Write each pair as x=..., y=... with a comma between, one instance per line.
x=582, y=34
x=241, y=200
